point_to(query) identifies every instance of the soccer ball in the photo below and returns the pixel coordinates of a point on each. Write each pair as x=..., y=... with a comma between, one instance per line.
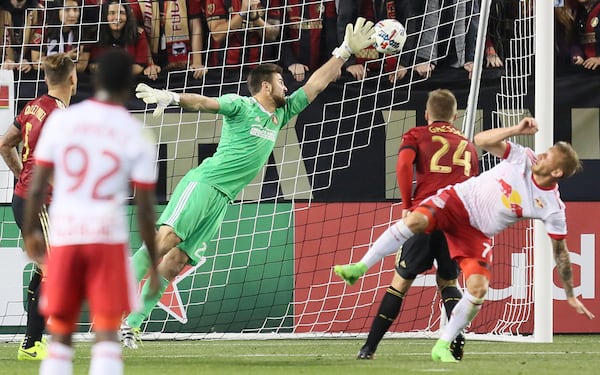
x=390, y=36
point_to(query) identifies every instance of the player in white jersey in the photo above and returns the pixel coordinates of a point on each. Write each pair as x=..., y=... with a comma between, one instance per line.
x=94, y=150
x=521, y=196
x=522, y=186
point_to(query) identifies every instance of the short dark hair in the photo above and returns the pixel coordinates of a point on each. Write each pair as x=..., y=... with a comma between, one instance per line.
x=114, y=72
x=58, y=68
x=260, y=74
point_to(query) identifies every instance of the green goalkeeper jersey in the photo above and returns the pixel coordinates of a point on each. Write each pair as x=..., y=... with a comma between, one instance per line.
x=247, y=139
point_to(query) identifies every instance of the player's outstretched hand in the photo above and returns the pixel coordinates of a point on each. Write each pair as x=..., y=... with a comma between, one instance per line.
x=579, y=306
x=358, y=36
x=162, y=98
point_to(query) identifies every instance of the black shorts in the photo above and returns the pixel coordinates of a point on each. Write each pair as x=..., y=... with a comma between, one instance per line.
x=18, y=208
x=417, y=254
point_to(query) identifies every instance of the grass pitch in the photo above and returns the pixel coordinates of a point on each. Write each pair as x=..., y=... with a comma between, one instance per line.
x=569, y=354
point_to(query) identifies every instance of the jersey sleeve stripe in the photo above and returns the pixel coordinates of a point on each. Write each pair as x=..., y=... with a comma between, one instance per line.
x=44, y=163
x=506, y=151
x=409, y=147
x=143, y=185
x=557, y=237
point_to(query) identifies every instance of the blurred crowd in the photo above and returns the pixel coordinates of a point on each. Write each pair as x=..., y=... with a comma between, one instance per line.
x=227, y=37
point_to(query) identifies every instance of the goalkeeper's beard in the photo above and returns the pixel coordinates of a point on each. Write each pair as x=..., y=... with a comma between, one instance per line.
x=279, y=100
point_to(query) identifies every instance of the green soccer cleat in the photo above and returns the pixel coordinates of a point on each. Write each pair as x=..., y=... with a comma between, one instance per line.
x=350, y=273
x=37, y=352
x=441, y=352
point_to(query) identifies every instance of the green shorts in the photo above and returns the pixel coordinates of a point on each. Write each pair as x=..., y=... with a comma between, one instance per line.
x=195, y=212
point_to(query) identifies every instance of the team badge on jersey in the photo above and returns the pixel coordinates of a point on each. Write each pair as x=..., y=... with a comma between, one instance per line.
x=539, y=202
x=274, y=119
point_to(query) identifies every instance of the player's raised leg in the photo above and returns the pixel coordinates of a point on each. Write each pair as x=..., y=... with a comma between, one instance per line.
x=388, y=243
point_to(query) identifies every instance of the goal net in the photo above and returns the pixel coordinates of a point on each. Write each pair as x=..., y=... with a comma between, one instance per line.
x=329, y=187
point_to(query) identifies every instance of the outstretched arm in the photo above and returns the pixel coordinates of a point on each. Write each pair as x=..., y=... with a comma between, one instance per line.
x=358, y=36
x=322, y=77
x=164, y=98
x=196, y=102
x=565, y=271
x=493, y=140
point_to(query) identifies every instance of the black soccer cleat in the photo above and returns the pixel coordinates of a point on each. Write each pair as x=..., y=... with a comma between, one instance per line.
x=365, y=353
x=457, y=347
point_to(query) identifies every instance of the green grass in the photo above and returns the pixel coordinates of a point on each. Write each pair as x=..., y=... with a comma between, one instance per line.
x=569, y=354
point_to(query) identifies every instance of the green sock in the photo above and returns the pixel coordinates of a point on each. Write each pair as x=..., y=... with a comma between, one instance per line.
x=140, y=262
x=135, y=319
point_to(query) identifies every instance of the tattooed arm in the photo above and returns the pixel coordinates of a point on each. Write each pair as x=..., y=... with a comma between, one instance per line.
x=565, y=271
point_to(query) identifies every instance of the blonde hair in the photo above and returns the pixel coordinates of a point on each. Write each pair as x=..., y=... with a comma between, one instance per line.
x=58, y=68
x=441, y=105
x=570, y=163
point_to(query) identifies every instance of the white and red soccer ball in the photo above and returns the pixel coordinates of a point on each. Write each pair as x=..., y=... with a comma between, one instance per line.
x=390, y=36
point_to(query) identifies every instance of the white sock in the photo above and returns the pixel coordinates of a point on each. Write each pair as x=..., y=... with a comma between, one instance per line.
x=463, y=313
x=106, y=358
x=59, y=360
x=388, y=243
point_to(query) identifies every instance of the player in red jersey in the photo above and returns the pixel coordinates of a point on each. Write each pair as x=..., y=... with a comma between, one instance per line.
x=92, y=150
x=61, y=79
x=440, y=155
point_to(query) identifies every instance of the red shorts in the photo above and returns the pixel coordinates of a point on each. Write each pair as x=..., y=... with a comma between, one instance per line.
x=450, y=216
x=99, y=273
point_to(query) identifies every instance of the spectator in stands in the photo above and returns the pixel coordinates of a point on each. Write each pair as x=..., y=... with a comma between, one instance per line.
x=118, y=29
x=565, y=34
x=309, y=26
x=588, y=30
x=369, y=59
x=449, y=35
x=61, y=34
x=240, y=32
x=501, y=29
x=17, y=20
x=174, y=30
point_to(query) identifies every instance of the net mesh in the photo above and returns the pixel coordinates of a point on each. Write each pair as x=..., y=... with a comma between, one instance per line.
x=268, y=269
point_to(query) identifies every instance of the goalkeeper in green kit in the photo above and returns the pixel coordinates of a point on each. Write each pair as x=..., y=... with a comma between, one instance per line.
x=250, y=127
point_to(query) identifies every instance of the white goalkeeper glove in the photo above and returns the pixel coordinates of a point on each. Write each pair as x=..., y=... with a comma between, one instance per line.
x=162, y=98
x=357, y=37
